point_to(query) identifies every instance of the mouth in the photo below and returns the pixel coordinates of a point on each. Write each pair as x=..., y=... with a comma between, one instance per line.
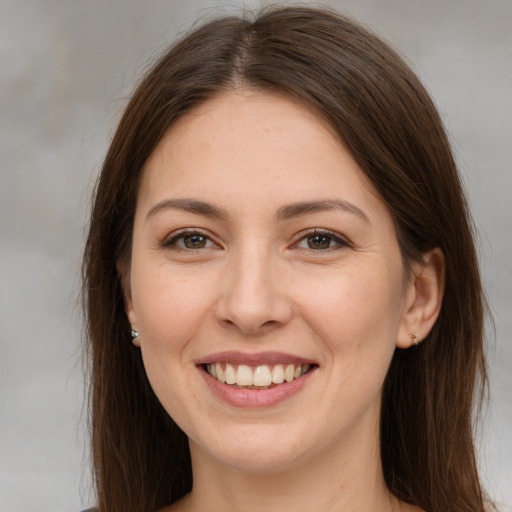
x=257, y=377
x=264, y=379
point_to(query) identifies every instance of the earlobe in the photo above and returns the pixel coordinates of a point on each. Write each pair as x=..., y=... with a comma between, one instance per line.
x=423, y=298
x=124, y=277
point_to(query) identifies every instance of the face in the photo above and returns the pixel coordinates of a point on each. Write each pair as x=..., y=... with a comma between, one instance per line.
x=262, y=257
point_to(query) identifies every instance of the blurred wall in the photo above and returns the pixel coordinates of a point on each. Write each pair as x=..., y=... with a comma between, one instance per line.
x=66, y=68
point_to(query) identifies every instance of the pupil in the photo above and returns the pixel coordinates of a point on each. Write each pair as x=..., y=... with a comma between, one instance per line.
x=319, y=242
x=195, y=242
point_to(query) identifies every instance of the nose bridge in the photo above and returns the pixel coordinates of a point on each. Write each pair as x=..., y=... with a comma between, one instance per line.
x=253, y=299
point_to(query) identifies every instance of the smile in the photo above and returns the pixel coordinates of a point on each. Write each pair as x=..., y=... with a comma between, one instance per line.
x=260, y=377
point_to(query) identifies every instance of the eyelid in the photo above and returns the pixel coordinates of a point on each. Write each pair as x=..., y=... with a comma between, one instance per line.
x=341, y=241
x=170, y=240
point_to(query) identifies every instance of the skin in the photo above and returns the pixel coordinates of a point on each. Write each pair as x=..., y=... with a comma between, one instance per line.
x=262, y=283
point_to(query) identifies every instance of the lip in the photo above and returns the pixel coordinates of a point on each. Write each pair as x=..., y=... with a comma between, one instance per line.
x=255, y=398
x=260, y=358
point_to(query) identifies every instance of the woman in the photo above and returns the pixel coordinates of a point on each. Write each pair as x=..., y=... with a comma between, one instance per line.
x=280, y=225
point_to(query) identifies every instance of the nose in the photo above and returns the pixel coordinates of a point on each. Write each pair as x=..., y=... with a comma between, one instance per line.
x=252, y=299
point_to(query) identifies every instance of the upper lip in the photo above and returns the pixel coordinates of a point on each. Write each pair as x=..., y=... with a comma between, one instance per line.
x=259, y=358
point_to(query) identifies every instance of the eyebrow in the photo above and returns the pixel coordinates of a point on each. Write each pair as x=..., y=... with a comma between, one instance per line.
x=307, y=207
x=286, y=212
x=188, y=205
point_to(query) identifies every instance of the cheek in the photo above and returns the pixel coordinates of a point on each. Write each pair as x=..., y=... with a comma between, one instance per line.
x=357, y=309
x=169, y=308
x=170, y=305
x=355, y=318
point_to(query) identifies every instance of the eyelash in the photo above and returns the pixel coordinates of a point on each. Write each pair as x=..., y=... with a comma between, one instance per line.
x=333, y=237
x=189, y=233
x=182, y=235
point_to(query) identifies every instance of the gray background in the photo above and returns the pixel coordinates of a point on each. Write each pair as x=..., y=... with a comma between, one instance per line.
x=66, y=68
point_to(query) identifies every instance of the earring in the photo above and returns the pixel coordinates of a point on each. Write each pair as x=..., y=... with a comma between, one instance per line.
x=414, y=338
x=134, y=333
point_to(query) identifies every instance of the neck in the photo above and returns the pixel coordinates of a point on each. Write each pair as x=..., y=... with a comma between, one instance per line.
x=344, y=477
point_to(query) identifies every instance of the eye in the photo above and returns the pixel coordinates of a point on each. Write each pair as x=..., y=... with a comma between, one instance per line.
x=320, y=241
x=189, y=240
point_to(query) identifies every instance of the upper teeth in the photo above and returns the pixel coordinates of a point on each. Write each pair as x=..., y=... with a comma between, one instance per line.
x=261, y=376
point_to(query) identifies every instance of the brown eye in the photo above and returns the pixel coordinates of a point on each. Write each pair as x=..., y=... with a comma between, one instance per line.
x=318, y=242
x=195, y=241
x=189, y=240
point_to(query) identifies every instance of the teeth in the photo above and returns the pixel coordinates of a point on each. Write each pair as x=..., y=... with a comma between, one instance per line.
x=289, y=373
x=230, y=374
x=244, y=376
x=221, y=376
x=261, y=376
x=278, y=374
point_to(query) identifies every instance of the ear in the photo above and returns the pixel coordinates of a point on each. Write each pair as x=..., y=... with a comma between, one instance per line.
x=123, y=272
x=423, y=298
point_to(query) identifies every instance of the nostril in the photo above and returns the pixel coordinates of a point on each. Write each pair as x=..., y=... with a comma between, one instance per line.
x=253, y=316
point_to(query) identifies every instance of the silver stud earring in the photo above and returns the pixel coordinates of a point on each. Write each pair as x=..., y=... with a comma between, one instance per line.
x=134, y=333
x=414, y=338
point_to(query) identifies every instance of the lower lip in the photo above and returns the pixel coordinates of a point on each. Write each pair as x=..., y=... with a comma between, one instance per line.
x=250, y=398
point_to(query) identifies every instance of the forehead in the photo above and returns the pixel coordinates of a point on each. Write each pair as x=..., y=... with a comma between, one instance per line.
x=249, y=146
x=249, y=116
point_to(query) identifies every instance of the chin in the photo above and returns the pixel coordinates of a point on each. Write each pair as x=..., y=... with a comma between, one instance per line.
x=258, y=460
x=255, y=449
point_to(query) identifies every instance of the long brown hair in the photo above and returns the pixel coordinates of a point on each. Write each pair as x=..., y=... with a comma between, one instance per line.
x=388, y=122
